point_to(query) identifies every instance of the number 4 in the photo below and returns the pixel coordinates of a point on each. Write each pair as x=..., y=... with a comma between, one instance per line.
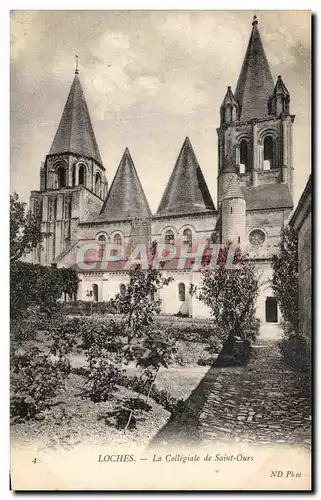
x=34, y=460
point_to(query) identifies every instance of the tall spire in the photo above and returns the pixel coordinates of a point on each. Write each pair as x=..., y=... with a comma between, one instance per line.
x=126, y=198
x=186, y=190
x=255, y=84
x=75, y=133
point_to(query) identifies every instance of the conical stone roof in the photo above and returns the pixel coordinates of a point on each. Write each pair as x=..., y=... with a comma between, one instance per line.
x=75, y=133
x=233, y=189
x=126, y=198
x=255, y=84
x=186, y=191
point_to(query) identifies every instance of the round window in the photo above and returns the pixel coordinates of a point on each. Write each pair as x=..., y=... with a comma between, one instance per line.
x=257, y=237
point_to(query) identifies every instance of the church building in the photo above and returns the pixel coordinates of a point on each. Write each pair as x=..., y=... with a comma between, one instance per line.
x=254, y=193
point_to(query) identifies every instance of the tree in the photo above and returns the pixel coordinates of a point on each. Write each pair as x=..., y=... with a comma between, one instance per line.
x=285, y=281
x=231, y=293
x=25, y=229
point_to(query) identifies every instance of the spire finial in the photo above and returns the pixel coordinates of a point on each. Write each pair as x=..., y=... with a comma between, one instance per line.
x=77, y=61
x=255, y=21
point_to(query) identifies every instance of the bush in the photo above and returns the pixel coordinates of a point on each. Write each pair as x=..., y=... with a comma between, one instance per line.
x=102, y=378
x=104, y=336
x=35, y=380
x=160, y=396
x=295, y=349
x=205, y=361
x=86, y=308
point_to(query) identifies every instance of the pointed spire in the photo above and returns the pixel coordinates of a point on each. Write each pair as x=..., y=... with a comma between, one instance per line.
x=186, y=190
x=229, y=108
x=75, y=133
x=126, y=198
x=229, y=99
x=255, y=83
x=280, y=99
x=280, y=88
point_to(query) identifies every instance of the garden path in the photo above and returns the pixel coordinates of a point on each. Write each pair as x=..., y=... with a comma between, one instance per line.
x=264, y=402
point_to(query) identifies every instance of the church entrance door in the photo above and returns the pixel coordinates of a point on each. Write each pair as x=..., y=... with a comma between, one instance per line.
x=271, y=310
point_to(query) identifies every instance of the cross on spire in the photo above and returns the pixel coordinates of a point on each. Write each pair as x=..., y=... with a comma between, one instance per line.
x=77, y=62
x=255, y=21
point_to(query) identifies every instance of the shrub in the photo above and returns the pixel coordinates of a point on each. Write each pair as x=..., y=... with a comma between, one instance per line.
x=205, y=361
x=295, y=349
x=86, y=308
x=35, y=380
x=102, y=378
x=160, y=396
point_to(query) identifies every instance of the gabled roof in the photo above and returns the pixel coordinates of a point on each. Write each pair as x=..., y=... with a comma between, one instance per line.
x=186, y=191
x=255, y=84
x=126, y=198
x=233, y=189
x=267, y=196
x=75, y=133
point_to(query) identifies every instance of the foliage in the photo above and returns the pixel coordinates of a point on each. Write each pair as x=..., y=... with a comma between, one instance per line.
x=102, y=378
x=285, y=281
x=230, y=293
x=295, y=349
x=33, y=285
x=25, y=229
x=160, y=396
x=86, y=308
x=37, y=375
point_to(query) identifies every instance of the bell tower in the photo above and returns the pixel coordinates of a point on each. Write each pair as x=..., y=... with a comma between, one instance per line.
x=255, y=132
x=73, y=183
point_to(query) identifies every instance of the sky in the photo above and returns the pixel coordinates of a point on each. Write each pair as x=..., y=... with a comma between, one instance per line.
x=150, y=79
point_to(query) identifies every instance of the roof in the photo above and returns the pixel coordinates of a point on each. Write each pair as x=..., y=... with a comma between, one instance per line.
x=233, y=189
x=255, y=84
x=126, y=198
x=75, y=133
x=267, y=196
x=280, y=88
x=303, y=207
x=229, y=99
x=186, y=190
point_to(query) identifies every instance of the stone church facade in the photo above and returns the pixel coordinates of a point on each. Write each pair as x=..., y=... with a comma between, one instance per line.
x=254, y=193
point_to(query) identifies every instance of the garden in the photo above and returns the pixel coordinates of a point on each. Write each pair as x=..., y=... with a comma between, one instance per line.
x=117, y=371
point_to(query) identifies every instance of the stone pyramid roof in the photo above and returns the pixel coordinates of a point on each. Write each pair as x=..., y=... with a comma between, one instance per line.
x=75, y=133
x=229, y=99
x=280, y=88
x=186, y=191
x=255, y=84
x=126, y=198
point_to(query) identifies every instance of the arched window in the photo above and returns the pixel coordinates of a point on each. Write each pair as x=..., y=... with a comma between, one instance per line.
x=82, y=175
x=169, y=237
x=268, y=153
x=95, y=292
x=98, y=185
x=244, y=157
x=117, y=239
x=61, y=173
x=181, y=292
x=122, y=289
x=102, y=244
x=188, y=237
